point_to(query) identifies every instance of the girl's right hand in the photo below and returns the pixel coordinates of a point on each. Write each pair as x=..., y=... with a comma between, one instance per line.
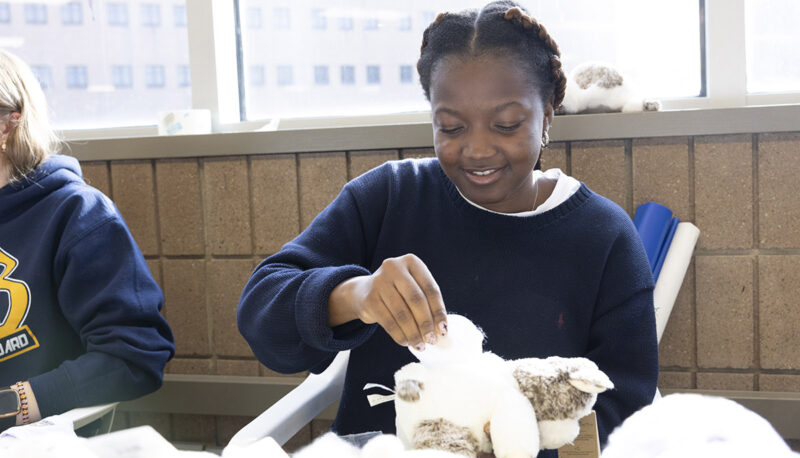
x=401, y=296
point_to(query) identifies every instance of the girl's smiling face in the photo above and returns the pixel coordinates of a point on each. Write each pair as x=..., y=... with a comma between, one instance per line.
x=488, y=122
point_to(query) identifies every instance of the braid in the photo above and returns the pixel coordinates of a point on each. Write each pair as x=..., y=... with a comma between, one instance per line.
x=473, y=33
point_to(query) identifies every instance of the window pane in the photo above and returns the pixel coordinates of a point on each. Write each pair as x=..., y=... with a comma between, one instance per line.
x=772, y=40
x=371, y=47
x=114, y=65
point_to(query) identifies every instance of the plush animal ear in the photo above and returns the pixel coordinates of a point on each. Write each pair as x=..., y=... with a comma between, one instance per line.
x=590, y=380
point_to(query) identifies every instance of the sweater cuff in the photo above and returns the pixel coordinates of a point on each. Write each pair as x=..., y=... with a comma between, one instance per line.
x=54, y=392
x=311, y=311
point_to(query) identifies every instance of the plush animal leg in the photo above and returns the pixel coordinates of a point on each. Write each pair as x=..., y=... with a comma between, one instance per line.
x=513, y=427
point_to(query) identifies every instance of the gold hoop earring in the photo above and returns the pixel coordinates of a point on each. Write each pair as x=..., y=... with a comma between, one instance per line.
x=545, y=139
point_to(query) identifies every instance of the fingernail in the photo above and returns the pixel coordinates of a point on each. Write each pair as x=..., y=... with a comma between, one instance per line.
x=443, y=328
x=420, y=347
x=430, y=338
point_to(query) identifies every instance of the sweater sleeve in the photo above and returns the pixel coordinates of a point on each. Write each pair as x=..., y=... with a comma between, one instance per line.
x=622, y=338
x=283, y=310
x=109, y=297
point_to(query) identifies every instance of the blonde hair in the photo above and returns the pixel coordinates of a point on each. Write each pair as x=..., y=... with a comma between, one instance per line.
x=32, y=140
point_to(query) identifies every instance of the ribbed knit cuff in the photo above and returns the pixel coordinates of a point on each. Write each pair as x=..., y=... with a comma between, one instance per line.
x=54, y=392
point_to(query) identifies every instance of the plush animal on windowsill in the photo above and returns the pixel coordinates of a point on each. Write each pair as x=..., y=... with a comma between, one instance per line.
x=599, y=88
x=463, y=400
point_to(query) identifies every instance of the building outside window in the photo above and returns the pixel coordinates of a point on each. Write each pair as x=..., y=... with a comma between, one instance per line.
x=373, y=74
x=184, y=76
x=318, y=19
x=406, y=74
x=256, y=75
x=77, y=77
x=36, y=13
x=321, y=75
x=348, y=73
x=179, y=15
x=122, y=76
x=281, y=18
x=285, y=75
x=253, y=18
x=150, y=14
x=405, y=23
x=345, y=23
x=72, y=13
x=44, y=74
x=5, y=13
x=371, y=23
x=117, y=14
x=427, y=18
x=154, y=76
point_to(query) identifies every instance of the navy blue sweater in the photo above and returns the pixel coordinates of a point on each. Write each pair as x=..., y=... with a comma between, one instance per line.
x=572, y=281
x=84, y=324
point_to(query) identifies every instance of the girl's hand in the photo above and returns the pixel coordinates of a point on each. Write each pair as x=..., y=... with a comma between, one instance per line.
x=401, y=296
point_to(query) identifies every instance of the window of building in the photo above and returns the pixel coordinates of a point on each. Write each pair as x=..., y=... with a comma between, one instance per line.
x=72, y=13
x=184, y=76
x=36, y=13
x=371, y=23
x=373, y=74
x=151, y=14
x=406, y=74
x=321, y=75
x=285, y=75
x=179, y=15
x=253, y=18
x=154, y=76
x=405, y=23
x=348, y=73
x=117, y=14
x=345, y=23
x=772, y=40
x=281, y=18
x=77, y=77
x=44, y=74
x=318, y=19
x=256, y=76
x=5, y=13
x=122, y=76
x=427, y=18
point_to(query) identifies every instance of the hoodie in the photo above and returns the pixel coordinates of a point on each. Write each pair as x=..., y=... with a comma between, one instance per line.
x=79, y=309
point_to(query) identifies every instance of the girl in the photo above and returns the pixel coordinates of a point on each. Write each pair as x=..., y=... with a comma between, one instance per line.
x=82, y=323
x=543, y=264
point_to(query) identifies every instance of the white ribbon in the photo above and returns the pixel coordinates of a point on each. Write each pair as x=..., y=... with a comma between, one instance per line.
x=375, y=399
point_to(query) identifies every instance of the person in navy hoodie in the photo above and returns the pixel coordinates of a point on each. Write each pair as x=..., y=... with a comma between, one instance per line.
x=82, y=315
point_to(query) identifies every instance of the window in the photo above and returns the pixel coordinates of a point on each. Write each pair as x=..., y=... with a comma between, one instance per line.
x=285, y=76
x=772, y=41
x=405, y=23
x=151, y=14
x=117, y=14
x=122, y=76
x=44, y=74
x=184, y=76
x=281, y=18
x=35, y=13
x=254, y=18
x=154, y=76
x=5, y=13
x=71, y=13
x=179, y=15
x=321, y=75
x=373, y=74
x=318, y=19
x=255, y=75
x=345, y=23
x=427, y=18
x=371, y=23
x=77, y=77
x=406, y=74
x=348, y=73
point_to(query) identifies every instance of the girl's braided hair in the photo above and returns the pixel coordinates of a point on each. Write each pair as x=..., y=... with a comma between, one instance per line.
x=501, y=27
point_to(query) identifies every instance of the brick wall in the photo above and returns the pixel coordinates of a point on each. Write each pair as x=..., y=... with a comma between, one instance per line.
x=204, y=223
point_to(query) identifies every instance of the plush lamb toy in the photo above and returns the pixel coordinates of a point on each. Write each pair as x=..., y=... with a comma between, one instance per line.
x=595, y=87
x=463, y=400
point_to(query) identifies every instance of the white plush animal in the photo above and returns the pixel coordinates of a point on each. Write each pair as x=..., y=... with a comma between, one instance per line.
x=464, y=400
x=383, y=446
x=595, y=87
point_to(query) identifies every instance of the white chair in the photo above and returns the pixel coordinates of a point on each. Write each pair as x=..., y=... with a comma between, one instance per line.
x=82, y=416
x=287, y=416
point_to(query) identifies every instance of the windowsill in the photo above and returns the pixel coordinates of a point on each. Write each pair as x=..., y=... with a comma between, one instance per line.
x=414, y=131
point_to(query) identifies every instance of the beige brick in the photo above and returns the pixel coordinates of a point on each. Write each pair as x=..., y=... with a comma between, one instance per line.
x=661, y=174
x=194, y=428
x=225, y=280
x=778, y=182
x=779, y=382
x=675, y=380
x=677, y=346
x=724, y=288
x=555, y=157
x=724, y=381
x=302, y=438
x=95, y=174
x=180, y=207
x=322, y=176
x=228, y=425
x=364, y=161
x=193, y=366
x=778, y=311
x=185, y=305
x=161, y=422
x=134, y=195
x=226, y=197
x=601, y=165
x=409, y=153
x=276, y=216
x=724, y=191
x=237, y=367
